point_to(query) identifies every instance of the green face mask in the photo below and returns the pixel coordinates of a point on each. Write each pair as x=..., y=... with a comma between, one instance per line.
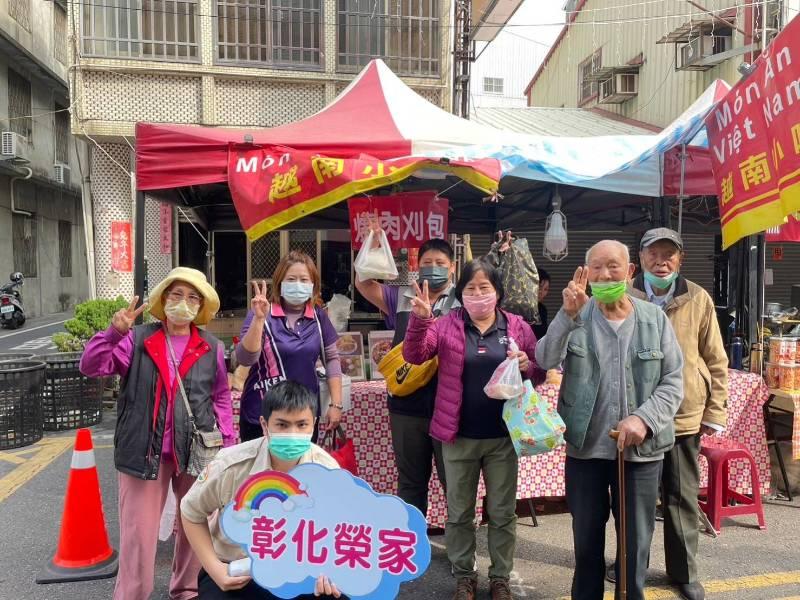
x=608, y=292
x=661, y=283
x=289, y=446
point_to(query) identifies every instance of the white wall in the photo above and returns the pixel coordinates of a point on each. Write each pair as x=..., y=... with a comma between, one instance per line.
x=516, y=53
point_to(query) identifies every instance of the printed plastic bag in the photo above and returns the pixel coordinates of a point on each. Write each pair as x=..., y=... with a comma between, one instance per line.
x=375, y=263
x=506, y=382
x=534, y=426
x=519, y=276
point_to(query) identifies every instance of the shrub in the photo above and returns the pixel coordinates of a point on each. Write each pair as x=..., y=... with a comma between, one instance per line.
x=90, y=317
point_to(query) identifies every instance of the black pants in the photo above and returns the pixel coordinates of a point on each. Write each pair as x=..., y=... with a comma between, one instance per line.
x=680, y=483
x=207, y=589
x=588, y=483
x=414, y=451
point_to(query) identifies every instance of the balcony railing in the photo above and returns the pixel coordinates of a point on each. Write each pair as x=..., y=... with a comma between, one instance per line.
x=282, y=33
x=276, y=32
x=145, y=29
x=405, y=33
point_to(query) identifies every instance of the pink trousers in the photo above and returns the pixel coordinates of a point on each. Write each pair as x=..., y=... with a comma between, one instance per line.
x=140, y=505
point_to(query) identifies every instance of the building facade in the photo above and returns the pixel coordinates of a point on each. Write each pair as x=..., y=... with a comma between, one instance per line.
x=502, y=70
x=42, y=167
x=242, y=63
x=649, y=61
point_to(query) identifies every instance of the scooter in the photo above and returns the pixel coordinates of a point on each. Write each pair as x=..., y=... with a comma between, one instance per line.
x=12, y=315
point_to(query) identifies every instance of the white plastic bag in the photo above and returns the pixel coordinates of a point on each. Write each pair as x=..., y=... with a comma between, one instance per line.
x=167, y=525
x=506, y=382
x=375, y=263
x=339, y=311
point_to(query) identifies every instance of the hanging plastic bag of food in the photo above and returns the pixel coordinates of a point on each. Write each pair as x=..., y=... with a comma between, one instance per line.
x=375, y=261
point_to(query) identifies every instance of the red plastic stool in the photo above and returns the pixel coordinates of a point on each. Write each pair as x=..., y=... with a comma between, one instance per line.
x=720, y=496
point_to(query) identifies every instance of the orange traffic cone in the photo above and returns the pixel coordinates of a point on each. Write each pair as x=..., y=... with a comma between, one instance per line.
x=83, y=550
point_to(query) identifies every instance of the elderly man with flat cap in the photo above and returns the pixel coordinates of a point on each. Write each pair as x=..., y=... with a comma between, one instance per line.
x=705, y=392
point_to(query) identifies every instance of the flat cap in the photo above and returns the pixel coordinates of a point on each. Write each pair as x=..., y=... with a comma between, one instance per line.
x=661, y=233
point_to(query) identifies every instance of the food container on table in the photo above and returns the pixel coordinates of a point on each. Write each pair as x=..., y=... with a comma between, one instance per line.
x=790, y=377
x=782, y=349
x=772, y=374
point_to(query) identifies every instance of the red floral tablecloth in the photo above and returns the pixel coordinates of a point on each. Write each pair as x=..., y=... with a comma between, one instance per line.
x=367, y=422
x=747, y=394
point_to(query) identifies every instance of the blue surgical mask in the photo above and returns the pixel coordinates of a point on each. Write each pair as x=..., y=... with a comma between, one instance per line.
x=289, y=446
x=661, y=283
x=296, y=292
x=436, y=276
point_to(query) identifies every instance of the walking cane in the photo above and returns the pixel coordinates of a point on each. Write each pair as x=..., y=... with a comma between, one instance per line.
x=622, y=535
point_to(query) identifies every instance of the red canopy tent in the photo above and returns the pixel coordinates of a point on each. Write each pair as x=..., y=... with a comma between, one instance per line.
x=376, y=115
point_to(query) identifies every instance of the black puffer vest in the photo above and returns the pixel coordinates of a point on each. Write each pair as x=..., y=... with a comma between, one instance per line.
x=144, y=399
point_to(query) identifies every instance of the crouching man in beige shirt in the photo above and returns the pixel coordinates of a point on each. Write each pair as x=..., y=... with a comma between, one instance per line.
x=287, y=418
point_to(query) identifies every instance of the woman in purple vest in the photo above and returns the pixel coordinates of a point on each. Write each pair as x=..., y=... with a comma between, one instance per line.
x=471, y=342
x=283, y=337
x=153, y=431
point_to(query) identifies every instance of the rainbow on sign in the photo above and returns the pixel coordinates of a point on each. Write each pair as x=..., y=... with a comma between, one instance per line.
x=269, y=484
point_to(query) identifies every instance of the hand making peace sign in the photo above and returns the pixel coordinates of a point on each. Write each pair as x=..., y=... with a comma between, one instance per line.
x=421, y=304
x=124, y=318
x=260, y=303
x=574, y=294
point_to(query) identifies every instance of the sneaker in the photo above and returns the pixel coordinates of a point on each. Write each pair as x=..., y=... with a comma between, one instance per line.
x=500, y=590
x=691, y=591
x=466, y=588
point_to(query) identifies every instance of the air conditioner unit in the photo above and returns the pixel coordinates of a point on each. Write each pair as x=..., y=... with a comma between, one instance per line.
x=619, y=88
x=61, y=173
x=702, y=47
x=14, y=146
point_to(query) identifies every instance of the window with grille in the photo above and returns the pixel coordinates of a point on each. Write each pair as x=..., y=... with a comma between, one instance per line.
x=60, y=33
x=280, y=32
x=61, y=129
x=24, y=244
x=147, y=29
x=587, y=89
x=493, y=85
x=404, y=33
x=20, y=11
x=65, y=248
x=19, y=104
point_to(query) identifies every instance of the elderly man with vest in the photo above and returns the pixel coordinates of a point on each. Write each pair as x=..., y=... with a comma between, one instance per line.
x=622, y=371
x=153, y=432
x=705, y=393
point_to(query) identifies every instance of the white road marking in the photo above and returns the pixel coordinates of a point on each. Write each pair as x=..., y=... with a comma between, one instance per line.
x=29, y=329
x=42, y=343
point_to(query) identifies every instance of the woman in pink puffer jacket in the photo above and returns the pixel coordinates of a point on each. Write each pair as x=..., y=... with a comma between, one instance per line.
x=471, y=343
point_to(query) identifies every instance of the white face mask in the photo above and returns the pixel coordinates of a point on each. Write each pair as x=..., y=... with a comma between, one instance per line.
x=180, y=313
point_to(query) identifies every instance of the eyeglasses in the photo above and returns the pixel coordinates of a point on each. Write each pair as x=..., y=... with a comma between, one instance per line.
x=190, y=299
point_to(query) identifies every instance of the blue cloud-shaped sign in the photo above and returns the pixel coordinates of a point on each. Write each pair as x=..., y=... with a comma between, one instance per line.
x=316, y=521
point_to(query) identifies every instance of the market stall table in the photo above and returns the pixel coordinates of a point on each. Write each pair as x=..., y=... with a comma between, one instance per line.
x=367, y=423
x=782, y=417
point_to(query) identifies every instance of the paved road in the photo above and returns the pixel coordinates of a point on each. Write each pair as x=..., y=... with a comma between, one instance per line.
x=743, y=564
x=34, y=336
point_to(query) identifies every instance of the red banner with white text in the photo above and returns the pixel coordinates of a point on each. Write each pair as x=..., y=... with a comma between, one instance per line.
x=754, y=137
x=409, y=219
x=274, y=186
